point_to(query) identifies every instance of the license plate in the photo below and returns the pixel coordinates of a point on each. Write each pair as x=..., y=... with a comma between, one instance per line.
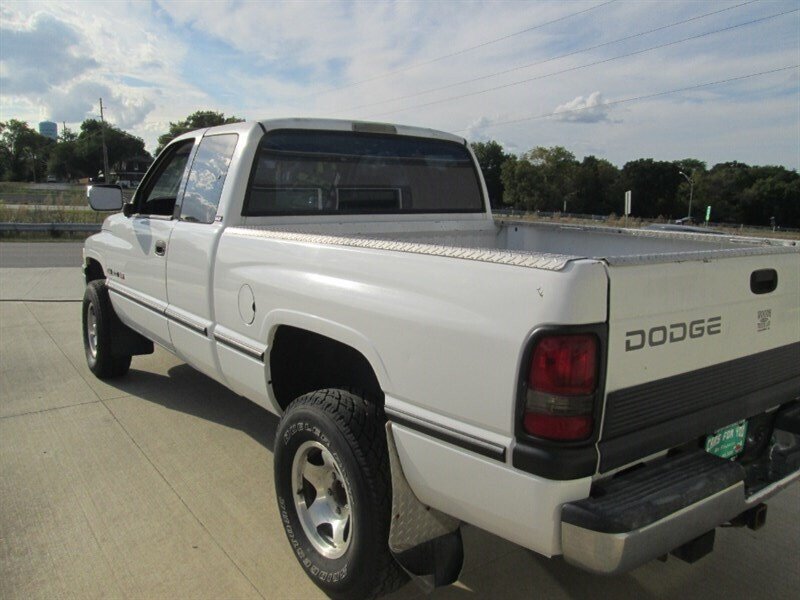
x=728, y=442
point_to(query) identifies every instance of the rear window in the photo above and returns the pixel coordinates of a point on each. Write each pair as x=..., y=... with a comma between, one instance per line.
x=305, y=172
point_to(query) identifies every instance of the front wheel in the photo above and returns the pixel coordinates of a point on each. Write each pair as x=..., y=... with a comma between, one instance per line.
x=333, y=485
x=98, y=316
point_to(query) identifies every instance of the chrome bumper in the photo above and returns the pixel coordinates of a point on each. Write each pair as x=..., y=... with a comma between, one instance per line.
x=612, y=553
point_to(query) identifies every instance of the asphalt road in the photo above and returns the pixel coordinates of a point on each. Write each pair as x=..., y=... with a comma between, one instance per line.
x=159, y=485
x=40, y=254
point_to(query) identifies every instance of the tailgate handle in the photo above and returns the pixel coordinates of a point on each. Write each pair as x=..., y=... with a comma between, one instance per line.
x=763, y=281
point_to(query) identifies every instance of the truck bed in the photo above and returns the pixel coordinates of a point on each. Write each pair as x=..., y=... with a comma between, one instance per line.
x=526, y=244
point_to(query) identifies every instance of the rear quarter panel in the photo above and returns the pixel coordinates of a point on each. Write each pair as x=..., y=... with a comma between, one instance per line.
x=444, y=335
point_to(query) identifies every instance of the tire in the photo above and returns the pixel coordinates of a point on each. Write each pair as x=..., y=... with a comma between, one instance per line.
x=330, y=453
x=98, y=321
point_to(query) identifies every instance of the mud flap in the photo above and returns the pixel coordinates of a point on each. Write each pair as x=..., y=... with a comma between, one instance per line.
x=426, y=543
x=125, y=341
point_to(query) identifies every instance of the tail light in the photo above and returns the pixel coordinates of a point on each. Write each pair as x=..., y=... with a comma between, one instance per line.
x=561, y=387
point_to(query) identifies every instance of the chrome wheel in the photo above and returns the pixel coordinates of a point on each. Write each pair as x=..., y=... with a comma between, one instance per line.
x=322, y=499
x=91, y=329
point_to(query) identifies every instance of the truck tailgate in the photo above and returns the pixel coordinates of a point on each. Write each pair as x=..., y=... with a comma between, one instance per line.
x=694, y=345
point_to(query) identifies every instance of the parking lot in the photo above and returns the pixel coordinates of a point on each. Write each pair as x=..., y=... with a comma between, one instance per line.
x=159, y=485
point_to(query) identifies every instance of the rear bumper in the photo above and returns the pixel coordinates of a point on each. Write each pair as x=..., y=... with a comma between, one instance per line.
x=651, y=511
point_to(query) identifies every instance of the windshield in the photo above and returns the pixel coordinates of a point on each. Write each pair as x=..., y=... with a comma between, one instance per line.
x=327, y=172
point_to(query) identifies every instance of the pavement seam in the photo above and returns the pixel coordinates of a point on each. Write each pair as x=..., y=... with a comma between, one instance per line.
x=37, y=282
x=148, y=459
x=47, y=410
x=33, y=300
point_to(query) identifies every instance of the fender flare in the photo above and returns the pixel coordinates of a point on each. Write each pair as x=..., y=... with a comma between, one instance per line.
x=330, y=329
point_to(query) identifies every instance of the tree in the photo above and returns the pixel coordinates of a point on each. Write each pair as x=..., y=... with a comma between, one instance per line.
x=201, y=119
x=521, y=184
x=654, y=185
x=81, y=155
x=67, y=135
x=23, y=151
x=491, y=157
x=557, y=168
x=595, y=182
x=722, y=188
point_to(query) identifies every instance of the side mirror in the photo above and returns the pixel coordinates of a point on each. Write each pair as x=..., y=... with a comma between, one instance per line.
x=127, y=209
x=105, y=197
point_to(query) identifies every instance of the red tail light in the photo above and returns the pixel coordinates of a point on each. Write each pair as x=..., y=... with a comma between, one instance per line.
x=561, y=385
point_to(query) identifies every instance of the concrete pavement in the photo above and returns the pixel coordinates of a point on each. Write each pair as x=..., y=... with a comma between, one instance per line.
x=159, y=485
x=40, y=254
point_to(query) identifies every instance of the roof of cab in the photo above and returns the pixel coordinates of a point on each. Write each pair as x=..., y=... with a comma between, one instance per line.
x=349, y=125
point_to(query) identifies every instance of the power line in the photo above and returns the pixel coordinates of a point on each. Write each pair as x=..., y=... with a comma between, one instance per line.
x=637, y=98
x=541, y=62
x=455, y=53
x=576, y=68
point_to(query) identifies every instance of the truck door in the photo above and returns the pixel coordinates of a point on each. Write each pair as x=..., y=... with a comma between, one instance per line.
x=136, y=270
x=190, y=266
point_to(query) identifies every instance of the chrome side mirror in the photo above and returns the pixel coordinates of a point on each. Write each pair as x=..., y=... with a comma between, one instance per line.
x=104, y=197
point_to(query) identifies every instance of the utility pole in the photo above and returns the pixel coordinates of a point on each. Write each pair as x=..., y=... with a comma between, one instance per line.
x=691, y=190
x=105, y=150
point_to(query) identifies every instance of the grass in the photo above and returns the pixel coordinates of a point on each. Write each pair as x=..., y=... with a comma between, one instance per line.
x=25, y=193
x=61, y=214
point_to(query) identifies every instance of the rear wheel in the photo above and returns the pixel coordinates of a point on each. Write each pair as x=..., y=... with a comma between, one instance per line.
x=98, y=315
x=333, y=485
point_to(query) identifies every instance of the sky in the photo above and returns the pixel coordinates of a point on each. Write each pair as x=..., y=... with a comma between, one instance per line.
x=586, y=75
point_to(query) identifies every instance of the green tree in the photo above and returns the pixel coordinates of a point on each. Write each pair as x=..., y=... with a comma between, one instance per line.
x=774, y=194
x=722, y=187
x=491, y=157
x=595, y=182
x=654, y=186
x=23, y=151
x=521, y=184
x=81, y=155
x=557, y=170
x=540, y=179
x=201, y=119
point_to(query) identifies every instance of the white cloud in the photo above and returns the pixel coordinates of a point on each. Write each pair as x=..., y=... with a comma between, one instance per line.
x=161, y=61
x=40, y=54
x=591, y=109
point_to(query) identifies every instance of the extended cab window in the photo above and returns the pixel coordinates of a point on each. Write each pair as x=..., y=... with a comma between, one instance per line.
x=206, y=178
x=159, y=192
x=328, y=172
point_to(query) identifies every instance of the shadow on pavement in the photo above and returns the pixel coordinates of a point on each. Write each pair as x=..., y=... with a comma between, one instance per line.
x=186, y=390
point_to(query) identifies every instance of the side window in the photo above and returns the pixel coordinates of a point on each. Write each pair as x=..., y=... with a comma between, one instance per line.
x=206, y=178
x=160, y=192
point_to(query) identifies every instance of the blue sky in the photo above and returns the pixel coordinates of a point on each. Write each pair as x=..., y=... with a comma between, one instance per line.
x=156, y=62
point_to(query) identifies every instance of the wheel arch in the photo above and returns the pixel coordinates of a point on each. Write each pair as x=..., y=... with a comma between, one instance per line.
x=93, y=270
x=308, y=354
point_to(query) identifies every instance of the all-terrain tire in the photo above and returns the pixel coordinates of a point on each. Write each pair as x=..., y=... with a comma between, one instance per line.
x=98, y=323
x=351, y=430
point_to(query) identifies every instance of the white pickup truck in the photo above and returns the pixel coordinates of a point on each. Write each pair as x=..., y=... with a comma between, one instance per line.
x=606, y=395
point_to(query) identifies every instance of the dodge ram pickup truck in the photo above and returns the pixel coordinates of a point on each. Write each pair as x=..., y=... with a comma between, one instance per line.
x=605, y=395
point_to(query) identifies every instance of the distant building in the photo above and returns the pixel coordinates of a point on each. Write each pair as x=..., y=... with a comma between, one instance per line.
x=129, y=172
x=48, y=129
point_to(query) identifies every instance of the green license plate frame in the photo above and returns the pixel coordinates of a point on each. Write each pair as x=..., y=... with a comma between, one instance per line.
x=727, y=442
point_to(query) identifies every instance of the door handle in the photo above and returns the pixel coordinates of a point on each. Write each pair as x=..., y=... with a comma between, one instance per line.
x=161, y=247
